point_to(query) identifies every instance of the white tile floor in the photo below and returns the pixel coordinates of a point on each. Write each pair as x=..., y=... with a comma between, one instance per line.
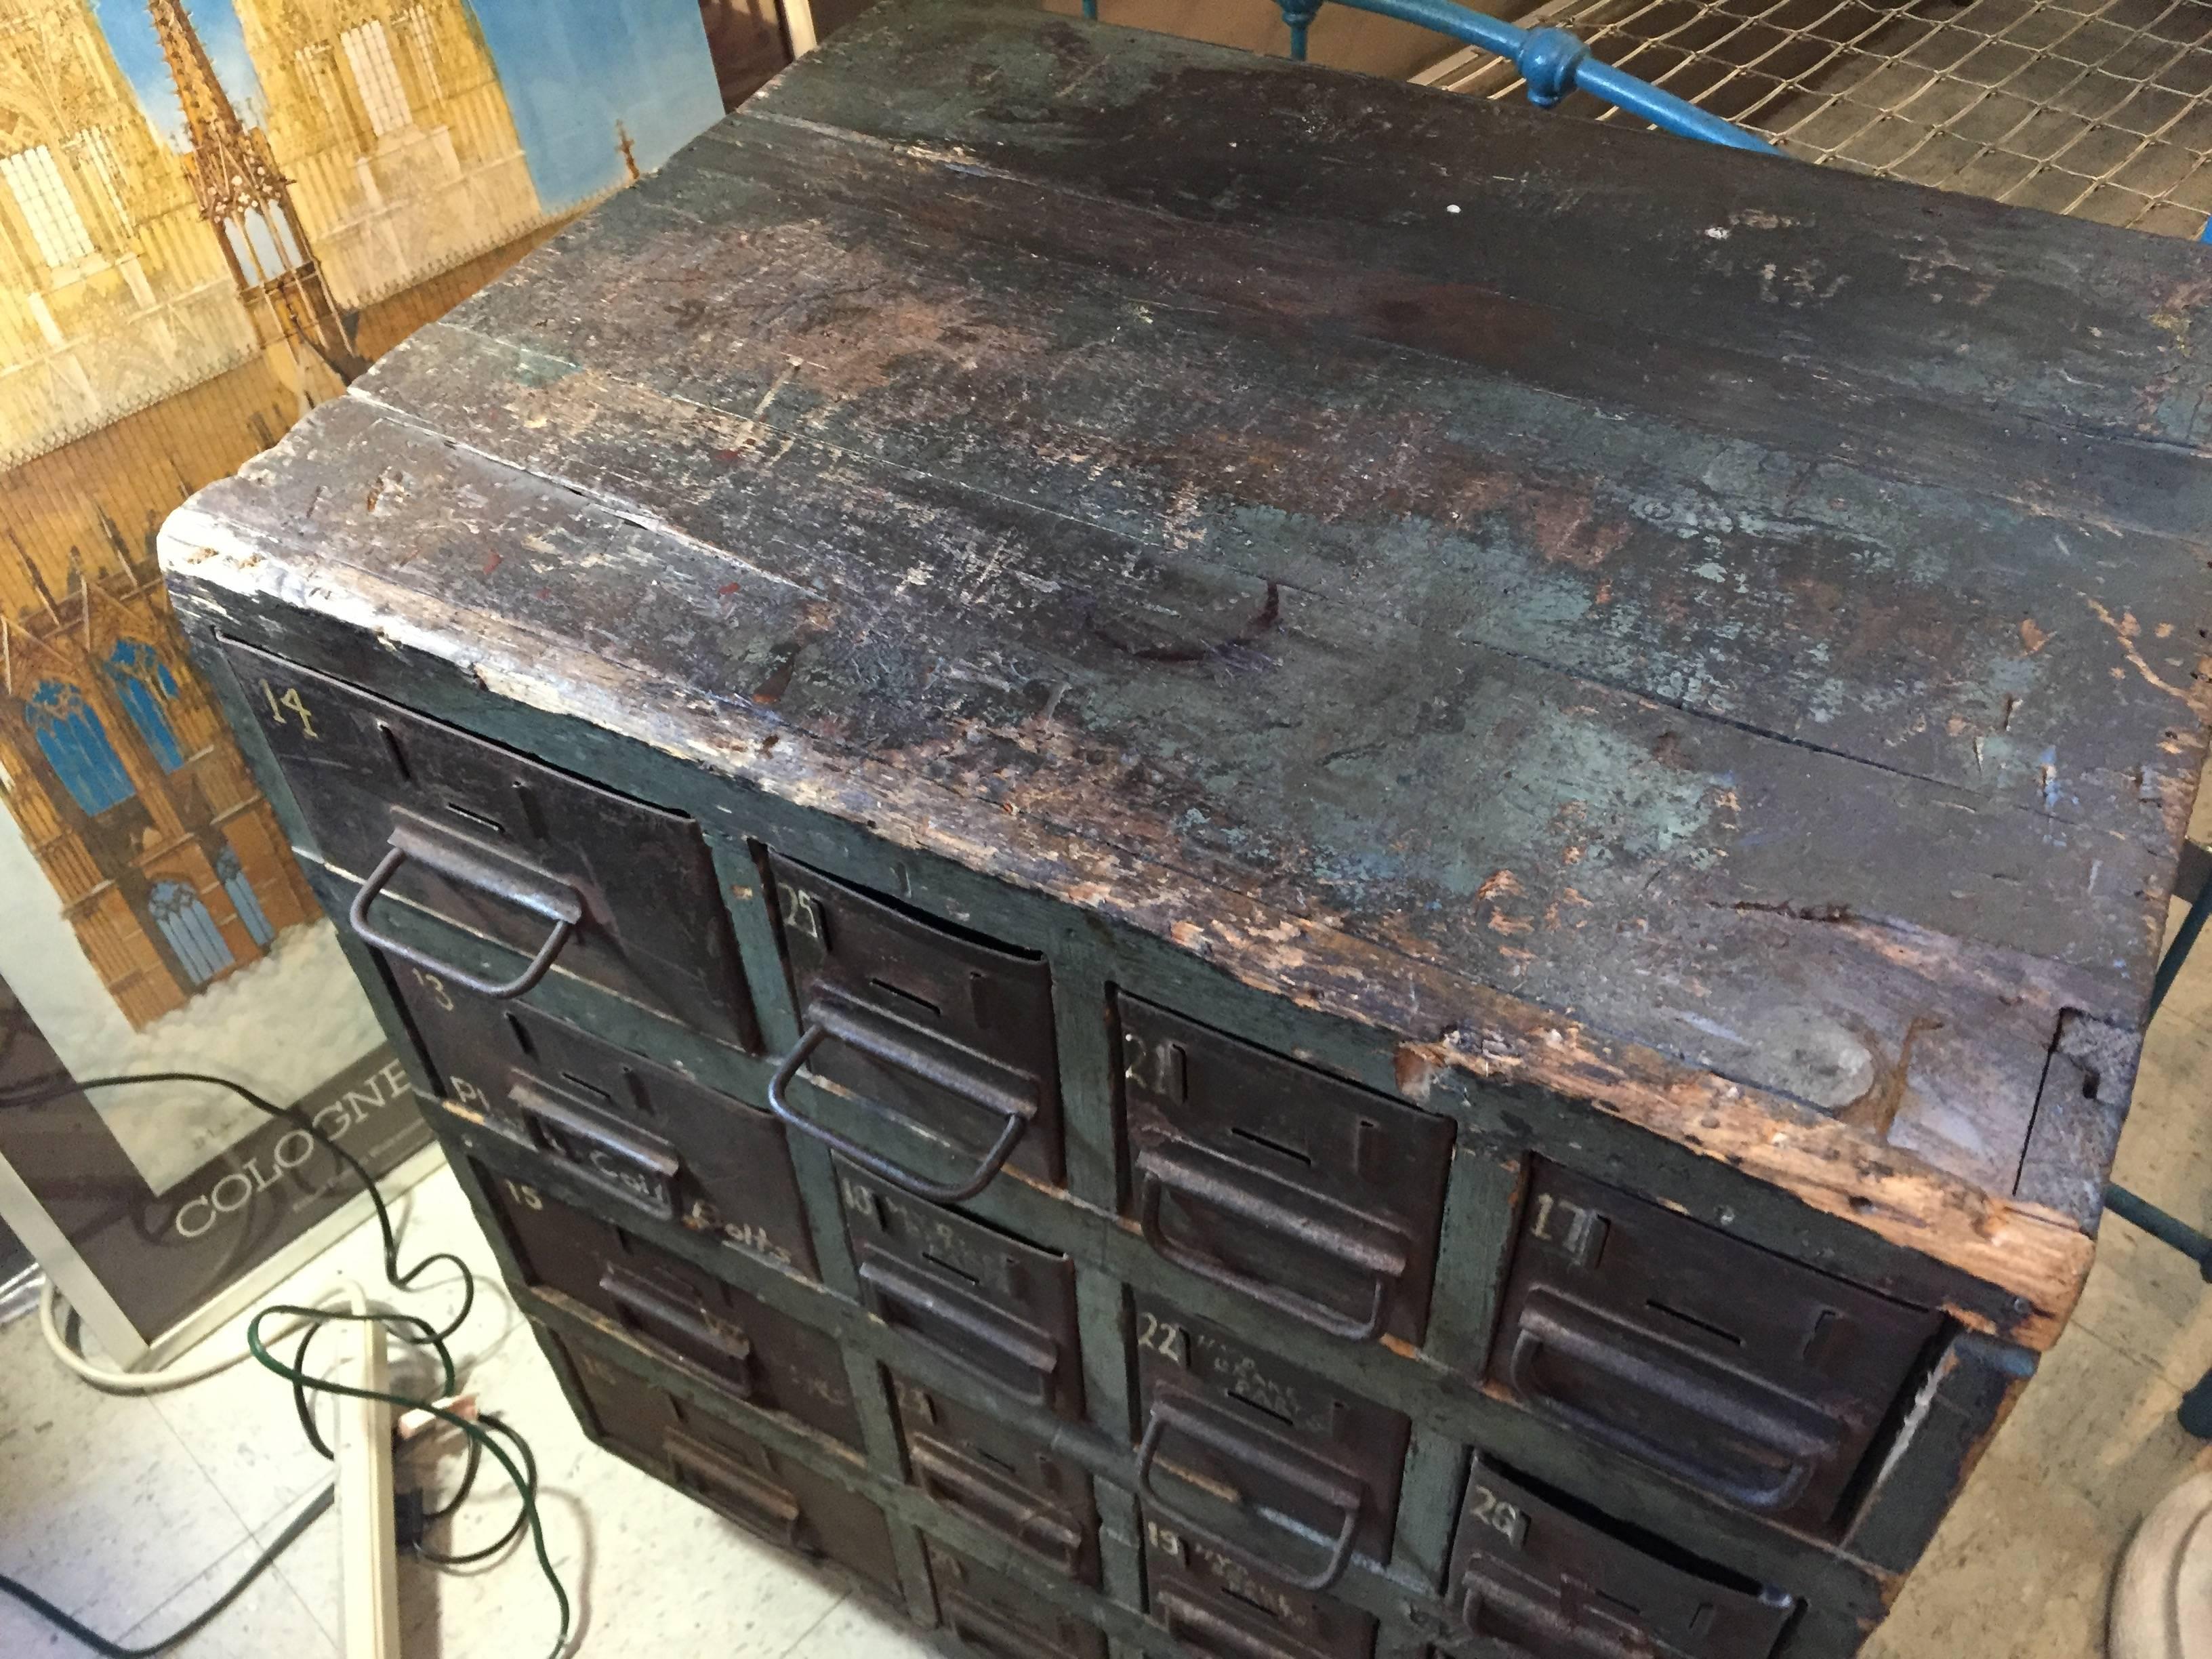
x=132, y=1513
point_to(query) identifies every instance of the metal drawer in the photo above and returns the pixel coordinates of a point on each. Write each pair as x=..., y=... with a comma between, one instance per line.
x=1000, y=1617
x=1311, y=1194
x=1214, y=1605
x=1231, y=1431
x=733, y=1475
x=947, y=1038
x=641, y=1134
x=969, y=1461
x=1001, y=1309
x=611, y=890
x=1737, y=1370
x=746, y=1348
x=1553, y=1579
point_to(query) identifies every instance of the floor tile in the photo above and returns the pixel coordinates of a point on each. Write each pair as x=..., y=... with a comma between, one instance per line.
x=269, y=1621
x=858, y=1628
x=102, y=1510
x=649, y=1572
x=244, y=1434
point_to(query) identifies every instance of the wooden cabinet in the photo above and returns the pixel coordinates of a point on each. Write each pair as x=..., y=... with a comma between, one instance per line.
x=1213, y=859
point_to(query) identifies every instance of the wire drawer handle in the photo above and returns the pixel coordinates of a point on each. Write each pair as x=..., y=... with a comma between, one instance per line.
x=554, y=900
x=826, y=1021
x=1341, y=1494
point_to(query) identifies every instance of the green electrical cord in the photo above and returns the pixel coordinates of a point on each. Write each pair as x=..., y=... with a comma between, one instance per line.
x=483, y=1436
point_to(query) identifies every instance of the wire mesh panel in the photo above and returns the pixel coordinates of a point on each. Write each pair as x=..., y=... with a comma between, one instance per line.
x=2099, y=108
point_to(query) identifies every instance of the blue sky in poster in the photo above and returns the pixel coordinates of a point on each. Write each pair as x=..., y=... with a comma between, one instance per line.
x=571, y=69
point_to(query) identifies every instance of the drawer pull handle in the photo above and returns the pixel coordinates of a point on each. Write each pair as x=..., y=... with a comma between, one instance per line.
x=556, y=901
x=1232, y=1441
x=971, y=1329
x=650, y=1304
x=1796, y=1442
x=956, y=1482
x=1184, y=1169
x=1207, y=1631
x=643, y=1171
x=991, y=1631
x=751, y=1500
x=1525, y=1613
x=826, y=1021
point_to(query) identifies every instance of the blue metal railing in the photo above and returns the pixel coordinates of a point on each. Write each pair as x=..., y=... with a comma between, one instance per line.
x=1553, y=62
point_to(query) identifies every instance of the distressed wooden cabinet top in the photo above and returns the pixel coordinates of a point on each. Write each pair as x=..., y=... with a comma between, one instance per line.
x=1717, y=637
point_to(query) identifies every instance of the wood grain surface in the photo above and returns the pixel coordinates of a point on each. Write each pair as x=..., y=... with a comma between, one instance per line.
x=1713, y=637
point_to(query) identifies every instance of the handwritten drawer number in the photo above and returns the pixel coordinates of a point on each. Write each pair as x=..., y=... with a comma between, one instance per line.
x=1170, y=1342
x=289, y=698
x=1486, y=1508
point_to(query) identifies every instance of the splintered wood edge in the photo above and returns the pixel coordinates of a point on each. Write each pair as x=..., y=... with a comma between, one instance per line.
x=2037, y=1256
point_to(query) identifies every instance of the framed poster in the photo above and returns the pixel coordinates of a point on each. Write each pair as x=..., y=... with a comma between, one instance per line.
x=214, y=214
x=152, y=1249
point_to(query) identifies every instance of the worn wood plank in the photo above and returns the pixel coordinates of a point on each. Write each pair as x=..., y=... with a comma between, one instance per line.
x=438, y=535
x=1701, y=636
x=1741, y=581
x=1969, y=305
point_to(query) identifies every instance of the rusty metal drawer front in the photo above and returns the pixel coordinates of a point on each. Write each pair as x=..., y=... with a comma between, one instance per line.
x=1001, y=1309
x=1555, y=1580
x=1738, y=1371
x=643, y=1134
x=1002, y=1618
x=1214, y=1605
x=611, y=890
x=998, y=1477
x=787, y=1503
x=938, y=1033
x=1311, y=1194
x=734, y=1474
x=1230, y=1429
x=628, y=1408
x=753, y=1351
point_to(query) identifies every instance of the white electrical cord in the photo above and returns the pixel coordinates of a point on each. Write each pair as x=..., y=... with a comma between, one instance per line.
x=173, y=1377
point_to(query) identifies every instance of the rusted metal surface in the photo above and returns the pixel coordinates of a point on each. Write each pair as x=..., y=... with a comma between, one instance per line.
x=1745, y=1375
x=1756, y=697
x=649, y=1137
x=1315, y=1198
x=751, y=1352
x=1234, y=1436
x=555, y=866
x=732, y=1473
x=939, y=1034
x=974, y=1463
x=1555, y=1584
x=1001, y=1308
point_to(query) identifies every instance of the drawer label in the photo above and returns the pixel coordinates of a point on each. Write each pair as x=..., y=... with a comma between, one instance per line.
x=1485, y=1508
x=1170, y=1342
x=289, y=698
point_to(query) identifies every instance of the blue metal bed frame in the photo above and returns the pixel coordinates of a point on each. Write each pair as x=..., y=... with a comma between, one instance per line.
x=1551, y=61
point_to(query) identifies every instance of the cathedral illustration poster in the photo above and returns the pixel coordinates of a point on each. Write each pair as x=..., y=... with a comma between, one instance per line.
x=213, y=215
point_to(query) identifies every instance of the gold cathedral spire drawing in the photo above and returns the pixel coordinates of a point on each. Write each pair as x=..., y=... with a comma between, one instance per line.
x=169, y=304
x=244, y=195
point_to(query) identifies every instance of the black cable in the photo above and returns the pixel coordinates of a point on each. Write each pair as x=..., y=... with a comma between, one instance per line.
x=438, y=1559
x=107, y=1650
x=439, y=1512
x=422, y=1333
